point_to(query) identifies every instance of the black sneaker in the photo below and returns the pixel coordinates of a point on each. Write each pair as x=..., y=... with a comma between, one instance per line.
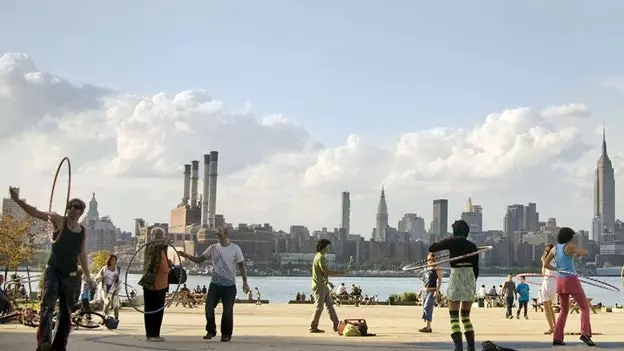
x=558, y=343
x=46, y=346
x=209, y=335
x=226, y=338
x=316, y=330
x=587, y=340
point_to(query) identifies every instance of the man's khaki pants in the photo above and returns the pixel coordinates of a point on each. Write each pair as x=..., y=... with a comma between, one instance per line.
x=322, y=297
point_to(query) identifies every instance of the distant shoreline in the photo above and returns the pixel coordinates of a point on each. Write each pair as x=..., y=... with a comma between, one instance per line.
x=398, y=274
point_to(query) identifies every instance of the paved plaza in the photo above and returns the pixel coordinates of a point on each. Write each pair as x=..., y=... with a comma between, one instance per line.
x=285, y=327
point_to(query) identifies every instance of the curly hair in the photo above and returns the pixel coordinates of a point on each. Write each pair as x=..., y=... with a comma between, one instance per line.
x=110, y=258
x=565, y=235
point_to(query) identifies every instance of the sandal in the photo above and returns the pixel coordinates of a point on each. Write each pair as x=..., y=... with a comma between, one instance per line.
x=548, y=332
x=425, y=330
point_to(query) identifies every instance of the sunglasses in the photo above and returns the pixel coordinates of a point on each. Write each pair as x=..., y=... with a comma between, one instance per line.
x=75, y=207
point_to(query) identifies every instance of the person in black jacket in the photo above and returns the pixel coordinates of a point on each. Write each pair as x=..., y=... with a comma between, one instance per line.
x=462, y=282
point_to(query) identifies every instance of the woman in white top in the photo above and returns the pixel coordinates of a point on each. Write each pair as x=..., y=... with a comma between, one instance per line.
x=548, y=292
x=109, y=277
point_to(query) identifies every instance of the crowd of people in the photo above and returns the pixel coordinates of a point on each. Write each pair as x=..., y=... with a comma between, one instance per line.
x=560, y=283
x=69, y=249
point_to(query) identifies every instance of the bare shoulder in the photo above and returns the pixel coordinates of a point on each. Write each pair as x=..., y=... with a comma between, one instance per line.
x=570, y=248
x=56, y=219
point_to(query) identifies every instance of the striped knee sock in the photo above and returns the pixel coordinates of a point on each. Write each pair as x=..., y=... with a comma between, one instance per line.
x=455, y=328
x=465, y=319
x=468, y=330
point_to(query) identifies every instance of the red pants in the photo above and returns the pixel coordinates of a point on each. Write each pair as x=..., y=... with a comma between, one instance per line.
x=566, y=287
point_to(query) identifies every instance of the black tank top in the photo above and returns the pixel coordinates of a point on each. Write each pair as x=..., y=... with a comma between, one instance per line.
x=430, y=278
x=66, y=249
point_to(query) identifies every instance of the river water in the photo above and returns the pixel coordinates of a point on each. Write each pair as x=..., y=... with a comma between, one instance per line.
x=283, y=289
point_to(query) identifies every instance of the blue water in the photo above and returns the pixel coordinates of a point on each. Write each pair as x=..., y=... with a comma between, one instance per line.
x=283, y=289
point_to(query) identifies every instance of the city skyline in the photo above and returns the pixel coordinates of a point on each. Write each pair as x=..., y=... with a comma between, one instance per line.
x=436, y=108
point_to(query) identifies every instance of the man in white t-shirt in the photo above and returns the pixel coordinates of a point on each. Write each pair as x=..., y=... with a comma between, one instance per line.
x=225, y=256
x=342, y=290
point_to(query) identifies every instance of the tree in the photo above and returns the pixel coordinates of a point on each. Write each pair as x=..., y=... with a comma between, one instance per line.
x=16, y=241
x=98, y=259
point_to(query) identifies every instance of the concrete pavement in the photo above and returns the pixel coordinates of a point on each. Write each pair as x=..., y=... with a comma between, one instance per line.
x=285, y=327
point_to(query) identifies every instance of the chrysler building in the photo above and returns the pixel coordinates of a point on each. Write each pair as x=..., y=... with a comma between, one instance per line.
x=604, y=194
x=382, y=218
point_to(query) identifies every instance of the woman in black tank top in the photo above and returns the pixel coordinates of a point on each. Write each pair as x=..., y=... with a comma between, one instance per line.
x=60, y=276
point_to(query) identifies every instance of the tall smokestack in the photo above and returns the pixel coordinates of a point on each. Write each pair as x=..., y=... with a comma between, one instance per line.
x=205, y=193
x=212, y=205
x=187, y=184
x=194, y=179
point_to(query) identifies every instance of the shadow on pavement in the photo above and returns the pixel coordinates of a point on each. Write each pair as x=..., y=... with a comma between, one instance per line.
x=301, y=343
x=11, y=341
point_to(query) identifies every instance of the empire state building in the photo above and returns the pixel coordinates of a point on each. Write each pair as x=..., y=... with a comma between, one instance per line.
x=604, y=195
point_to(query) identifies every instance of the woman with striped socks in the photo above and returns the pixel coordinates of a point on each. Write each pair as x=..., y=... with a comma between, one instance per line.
x=462, y=282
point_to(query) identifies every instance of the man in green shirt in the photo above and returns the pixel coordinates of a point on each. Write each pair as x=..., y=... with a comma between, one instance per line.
x=320, y=279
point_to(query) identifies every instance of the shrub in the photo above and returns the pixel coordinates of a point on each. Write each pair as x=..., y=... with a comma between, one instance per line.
x=408, y=296
x=392, y=299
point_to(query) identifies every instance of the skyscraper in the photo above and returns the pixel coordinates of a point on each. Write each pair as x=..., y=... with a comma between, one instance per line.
x=473, y=215
x=514, y=220
x=531, y=218
x=346, y=212
x=604, y=191
x=414, y=225
x=382, y=217
x=440, y=218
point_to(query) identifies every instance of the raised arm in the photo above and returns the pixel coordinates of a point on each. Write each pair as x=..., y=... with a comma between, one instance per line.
x=572, y=249
x=443, y=244
x=32, y=211
x=197, y=259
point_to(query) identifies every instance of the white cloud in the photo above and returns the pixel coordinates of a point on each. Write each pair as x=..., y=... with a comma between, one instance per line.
x=570, y=110
x=130, y=151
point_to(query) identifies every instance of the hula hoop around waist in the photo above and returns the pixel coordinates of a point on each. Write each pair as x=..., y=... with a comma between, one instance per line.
x=585, y=280
x=128, y=271
x=50, y=226
x=416, y=265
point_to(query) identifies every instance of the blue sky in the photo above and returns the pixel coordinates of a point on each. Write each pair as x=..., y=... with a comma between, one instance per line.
x=372, y=68
x=375, y=69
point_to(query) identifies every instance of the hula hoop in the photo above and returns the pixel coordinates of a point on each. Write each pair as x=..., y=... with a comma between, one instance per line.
x=585, y=280
x=533, y=275
x=409, y=267
x=414, y=266
x=50, y=227
x=149, y=243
